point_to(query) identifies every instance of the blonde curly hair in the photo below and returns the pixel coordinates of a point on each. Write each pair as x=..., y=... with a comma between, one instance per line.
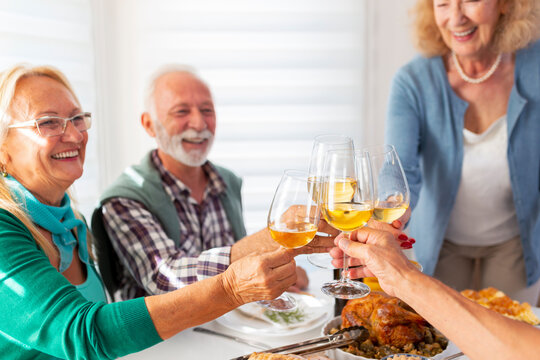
x=518, y=26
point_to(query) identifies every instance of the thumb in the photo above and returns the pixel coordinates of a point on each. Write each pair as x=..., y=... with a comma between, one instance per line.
x=352, y=248
x=344, y=243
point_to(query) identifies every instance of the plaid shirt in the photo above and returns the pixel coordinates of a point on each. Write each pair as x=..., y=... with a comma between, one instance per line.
x=153, y=264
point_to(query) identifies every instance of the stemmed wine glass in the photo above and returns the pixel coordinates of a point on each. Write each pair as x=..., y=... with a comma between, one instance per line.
x=346, y=202
x=390, y=188
x=321, y=145
x=293, y=219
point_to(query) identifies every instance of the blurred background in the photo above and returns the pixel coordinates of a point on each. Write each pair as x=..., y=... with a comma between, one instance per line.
x=281, y=71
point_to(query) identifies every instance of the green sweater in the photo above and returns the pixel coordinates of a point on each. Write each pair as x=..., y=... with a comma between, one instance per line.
x=42, y=315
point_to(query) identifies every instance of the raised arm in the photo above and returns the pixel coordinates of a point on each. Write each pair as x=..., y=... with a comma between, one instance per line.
x=254, y=277
x=403, y=129
x=478, y=332
x=43, y=313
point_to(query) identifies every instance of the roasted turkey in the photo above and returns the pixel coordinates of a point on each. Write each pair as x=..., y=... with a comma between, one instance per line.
x=389, y=321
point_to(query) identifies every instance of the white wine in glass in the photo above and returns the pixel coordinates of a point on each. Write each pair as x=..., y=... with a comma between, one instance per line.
x=391, y=190
x=321, y=145
x=390, y=183
x=346, y=211
x=293, y=219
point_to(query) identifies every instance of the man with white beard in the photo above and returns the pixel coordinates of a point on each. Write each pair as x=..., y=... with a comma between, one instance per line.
x=175, y=218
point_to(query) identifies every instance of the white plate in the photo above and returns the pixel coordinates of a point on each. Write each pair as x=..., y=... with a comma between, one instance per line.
x=249, y=318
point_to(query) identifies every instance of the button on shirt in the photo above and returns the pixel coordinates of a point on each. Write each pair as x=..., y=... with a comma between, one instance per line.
x=153, y=264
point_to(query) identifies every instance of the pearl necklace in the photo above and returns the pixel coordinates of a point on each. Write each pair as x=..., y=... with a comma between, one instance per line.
x=480, y=79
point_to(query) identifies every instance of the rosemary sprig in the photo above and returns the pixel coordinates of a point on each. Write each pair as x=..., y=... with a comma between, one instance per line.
x=285, y=317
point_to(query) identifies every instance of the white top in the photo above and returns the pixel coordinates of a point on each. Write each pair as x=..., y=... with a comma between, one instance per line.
x=484, y=212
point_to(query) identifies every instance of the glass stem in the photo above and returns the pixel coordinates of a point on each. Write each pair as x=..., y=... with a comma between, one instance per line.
x=345, y=271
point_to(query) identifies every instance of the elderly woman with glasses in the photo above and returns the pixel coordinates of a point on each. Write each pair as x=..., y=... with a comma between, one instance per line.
x=53, y=302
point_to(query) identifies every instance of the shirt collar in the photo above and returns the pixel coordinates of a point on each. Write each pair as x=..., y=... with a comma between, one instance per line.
x=216, y=185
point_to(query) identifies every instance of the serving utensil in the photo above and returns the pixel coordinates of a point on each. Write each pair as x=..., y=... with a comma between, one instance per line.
x=454, y=356
x=341, y=338
x=250, y=342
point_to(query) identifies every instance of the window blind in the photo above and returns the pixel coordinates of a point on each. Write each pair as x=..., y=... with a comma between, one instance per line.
x=57, y=33
x=281, y=73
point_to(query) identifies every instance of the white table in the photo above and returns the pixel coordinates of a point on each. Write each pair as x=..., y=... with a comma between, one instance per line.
x=190, y=345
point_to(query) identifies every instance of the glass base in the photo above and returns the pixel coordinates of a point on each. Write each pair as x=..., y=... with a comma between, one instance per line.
x=281, y=303
x=345, y=290
x=321, y=260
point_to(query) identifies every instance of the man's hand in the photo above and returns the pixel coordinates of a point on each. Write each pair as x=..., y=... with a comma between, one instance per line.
x=260, y=277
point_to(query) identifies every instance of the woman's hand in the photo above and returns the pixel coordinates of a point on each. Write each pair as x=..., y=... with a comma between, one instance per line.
x=380, y=254
x=260, y=276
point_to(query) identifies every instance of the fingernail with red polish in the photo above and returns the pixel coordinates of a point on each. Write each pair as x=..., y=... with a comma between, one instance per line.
x=402, y=237
x=412, y=241
x=406, y=245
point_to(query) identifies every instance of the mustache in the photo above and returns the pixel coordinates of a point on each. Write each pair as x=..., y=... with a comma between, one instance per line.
x=190, y=134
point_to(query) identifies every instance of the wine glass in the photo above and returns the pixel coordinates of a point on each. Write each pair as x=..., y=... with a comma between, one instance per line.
x=390, y=188
x=346, y=203
x=321, y=145
x=292, y=221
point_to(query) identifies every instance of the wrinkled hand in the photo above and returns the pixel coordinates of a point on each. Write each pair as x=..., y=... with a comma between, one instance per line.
x=394, y=229
x=260, y=276
x=380, y=254
x=302, y=281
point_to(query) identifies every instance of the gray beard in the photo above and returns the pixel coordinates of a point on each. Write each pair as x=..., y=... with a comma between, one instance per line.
x=172, y=145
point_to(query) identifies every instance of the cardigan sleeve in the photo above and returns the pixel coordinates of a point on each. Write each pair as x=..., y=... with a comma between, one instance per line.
x=403, y=129
x=41, y=311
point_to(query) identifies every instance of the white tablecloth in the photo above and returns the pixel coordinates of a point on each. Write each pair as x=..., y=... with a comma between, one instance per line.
x=190, y=345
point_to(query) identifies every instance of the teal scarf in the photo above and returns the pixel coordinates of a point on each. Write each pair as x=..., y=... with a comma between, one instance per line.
x=59, y=221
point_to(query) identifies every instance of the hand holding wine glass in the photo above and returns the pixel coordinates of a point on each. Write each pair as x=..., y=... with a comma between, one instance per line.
x=391, y=189
x=293, y=219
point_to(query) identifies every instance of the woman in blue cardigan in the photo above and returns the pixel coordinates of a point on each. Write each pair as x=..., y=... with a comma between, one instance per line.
x=465, y=120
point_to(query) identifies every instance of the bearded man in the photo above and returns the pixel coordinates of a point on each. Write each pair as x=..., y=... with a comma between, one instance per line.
x=175, y=218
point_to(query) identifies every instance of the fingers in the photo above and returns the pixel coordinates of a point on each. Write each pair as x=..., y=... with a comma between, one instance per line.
x=359, y=272
x=370, y=235
x=279, y=257
x=302, y=280
x=378, y=225
x=353, y=262
x=326, y=228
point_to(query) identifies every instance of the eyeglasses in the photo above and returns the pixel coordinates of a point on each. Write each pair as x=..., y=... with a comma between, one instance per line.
x=54, y=125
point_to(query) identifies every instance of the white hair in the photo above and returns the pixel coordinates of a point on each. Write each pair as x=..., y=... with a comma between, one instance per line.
x=150, y=104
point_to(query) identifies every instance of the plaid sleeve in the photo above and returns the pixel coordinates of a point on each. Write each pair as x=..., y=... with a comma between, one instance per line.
x=150, y=255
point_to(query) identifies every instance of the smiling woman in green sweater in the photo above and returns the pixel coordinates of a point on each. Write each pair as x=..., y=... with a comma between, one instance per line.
x=52, y=300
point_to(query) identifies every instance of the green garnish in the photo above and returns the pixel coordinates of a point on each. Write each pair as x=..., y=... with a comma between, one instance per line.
x=285, y=317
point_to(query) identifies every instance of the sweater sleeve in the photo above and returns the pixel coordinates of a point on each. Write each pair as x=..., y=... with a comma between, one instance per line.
x=41, y=311
x=403, y=129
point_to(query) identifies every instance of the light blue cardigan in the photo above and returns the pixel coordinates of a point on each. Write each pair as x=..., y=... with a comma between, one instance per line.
x=425, y=123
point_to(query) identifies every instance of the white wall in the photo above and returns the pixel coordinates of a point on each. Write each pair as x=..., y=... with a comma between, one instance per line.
x=388, y=47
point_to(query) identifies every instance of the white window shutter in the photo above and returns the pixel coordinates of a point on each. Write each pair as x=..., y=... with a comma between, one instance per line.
x=57, y=33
